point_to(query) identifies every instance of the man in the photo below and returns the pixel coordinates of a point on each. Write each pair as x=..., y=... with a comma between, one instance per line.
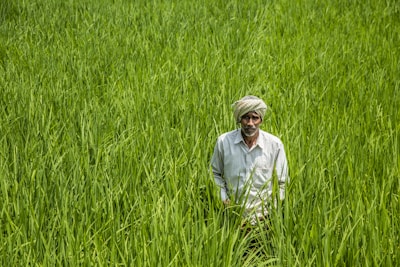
x=244, y=161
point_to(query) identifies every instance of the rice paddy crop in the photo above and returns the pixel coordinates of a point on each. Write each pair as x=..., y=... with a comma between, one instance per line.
x=109, y=112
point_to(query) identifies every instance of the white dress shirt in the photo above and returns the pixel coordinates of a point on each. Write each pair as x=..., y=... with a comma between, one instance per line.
x=245, y=174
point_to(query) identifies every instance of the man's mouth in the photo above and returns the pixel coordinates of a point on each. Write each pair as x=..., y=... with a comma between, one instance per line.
x=250, y=129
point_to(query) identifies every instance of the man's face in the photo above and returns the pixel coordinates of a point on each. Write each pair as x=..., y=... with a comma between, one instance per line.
x=250, y=123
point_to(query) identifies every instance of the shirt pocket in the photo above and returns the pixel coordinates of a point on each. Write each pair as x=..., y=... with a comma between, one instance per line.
x=262, y=173
x=261, y=177
x=263, y=162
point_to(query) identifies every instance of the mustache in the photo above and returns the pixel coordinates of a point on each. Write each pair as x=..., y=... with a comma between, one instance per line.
x=248, y=128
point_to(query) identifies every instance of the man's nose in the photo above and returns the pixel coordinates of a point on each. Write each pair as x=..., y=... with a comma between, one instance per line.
x=250, y=122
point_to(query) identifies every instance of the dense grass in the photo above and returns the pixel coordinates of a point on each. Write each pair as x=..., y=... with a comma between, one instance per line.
x=109, y=111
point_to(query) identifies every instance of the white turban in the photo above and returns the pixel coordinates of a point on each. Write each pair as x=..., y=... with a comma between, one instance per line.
x=247, y=104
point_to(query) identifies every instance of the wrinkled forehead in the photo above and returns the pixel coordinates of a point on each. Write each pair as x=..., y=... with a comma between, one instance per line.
x=252, y=113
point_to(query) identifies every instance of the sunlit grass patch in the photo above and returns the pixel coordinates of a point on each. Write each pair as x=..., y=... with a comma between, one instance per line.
x=109, y=112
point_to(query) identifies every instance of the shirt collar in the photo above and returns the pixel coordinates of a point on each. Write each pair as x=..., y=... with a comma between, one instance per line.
x=239, y=138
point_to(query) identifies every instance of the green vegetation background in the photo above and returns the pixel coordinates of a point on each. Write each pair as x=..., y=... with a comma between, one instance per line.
x=109, y=111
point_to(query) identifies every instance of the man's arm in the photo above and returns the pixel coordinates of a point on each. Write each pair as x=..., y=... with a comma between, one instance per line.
x=217, y=166
x=281, y=167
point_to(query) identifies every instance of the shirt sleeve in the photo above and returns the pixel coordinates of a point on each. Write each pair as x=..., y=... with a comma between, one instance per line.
x=217, y=166
x=281, y=167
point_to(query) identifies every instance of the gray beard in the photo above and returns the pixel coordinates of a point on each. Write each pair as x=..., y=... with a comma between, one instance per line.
x=249, y=135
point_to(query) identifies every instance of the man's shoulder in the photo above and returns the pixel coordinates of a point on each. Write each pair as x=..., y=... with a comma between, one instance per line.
x=270, y=137
x=231, y=135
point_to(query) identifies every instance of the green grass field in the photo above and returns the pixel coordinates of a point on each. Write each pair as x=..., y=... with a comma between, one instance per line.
x=109, y=112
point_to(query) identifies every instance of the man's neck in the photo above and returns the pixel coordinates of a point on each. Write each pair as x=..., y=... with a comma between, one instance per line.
x=250, y=140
